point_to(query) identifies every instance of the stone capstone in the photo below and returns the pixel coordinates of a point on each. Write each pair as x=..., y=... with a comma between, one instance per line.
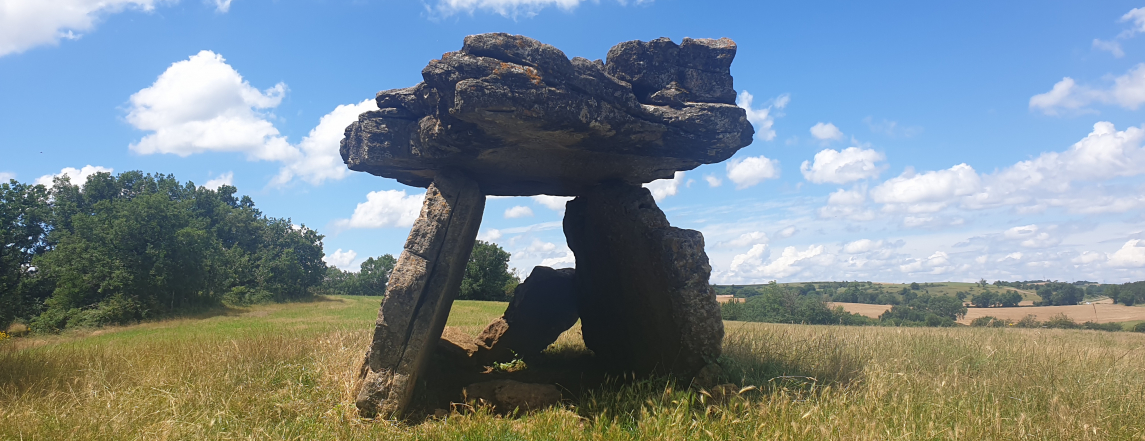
x=420, y=292
x=543, y=307
x=521, y=118
x=642, y=285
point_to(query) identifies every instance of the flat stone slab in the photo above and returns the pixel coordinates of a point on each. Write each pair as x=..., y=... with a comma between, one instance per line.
x=521, y=118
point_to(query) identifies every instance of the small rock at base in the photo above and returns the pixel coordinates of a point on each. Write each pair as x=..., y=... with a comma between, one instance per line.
x=507, y=395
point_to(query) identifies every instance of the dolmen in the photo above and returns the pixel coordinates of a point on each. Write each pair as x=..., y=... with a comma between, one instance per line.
x=509, y=116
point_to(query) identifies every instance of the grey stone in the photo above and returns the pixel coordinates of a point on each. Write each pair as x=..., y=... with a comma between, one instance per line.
x=421, y=290
x=543, y=307
x=642, y=285
x=521, y=118
x=508, y=395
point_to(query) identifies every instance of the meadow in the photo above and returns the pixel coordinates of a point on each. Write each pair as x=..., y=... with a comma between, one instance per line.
x=288, y=371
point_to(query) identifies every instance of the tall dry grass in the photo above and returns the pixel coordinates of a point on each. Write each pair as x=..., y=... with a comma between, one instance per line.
x=288, y=372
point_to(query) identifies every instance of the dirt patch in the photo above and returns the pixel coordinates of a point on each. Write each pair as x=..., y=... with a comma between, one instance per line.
x=872, y=311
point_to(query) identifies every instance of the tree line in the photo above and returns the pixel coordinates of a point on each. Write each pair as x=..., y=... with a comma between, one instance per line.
x=774, y=303
x=136, y=246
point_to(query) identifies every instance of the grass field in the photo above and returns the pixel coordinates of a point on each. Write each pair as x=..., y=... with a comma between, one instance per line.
x=288, y=372
x=1104, y=311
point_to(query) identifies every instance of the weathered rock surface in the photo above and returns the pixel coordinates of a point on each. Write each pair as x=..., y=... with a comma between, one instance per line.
x=543, y=307
x=420, y=292
x=521, y=118
x=642, y=285
x=507, y=395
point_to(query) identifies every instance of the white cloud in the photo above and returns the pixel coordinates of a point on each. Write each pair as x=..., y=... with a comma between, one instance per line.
x=6, y=176
x=662, y=188
x=787, y=232
x=713, y=181
x=1113, y=47
x=77, y=176
x=826, y=132
x=1131, y=255
x=937, y=263
x=1087, y=257
x=555, y=203
x=927, y=192
x=862, y=246
x=319, y=158
x=745, y=239
x=1030, y=236
x=227, y=178
x=753, y=258
x=746, y=172
x=490, y=235
x=849, y=165
x=788, y=263
x=386, y=208
x=507, y=8
x=1127, y=91
x=848, y=203
x=25, y=24
x=202, y=104
x=763, y=119
x=222, y=6
x=341, y=259
x=568, y=260
x=518, y=211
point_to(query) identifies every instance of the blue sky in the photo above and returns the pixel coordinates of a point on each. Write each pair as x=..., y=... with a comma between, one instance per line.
x=896, y=141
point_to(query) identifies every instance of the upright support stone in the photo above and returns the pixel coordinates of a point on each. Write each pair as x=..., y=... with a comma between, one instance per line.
x=642, y=285
x=420, y=292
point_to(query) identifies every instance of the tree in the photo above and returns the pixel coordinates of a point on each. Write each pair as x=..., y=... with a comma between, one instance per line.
x=487, y=274
x=1010, y=299
x=984, y=299
x=375, y=274
x=914, y=286
x=23, y=230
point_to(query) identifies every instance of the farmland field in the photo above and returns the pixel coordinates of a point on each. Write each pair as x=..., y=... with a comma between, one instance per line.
x=288, y=371
x=1103, y=311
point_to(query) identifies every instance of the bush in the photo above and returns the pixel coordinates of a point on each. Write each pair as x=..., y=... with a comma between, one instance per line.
x=1029, y=321
x=1108, y=327
x=1061, y=321
x=1140, y=327
x=991, y=322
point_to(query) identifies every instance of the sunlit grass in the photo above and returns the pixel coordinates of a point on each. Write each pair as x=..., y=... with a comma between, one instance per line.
x=289, y=372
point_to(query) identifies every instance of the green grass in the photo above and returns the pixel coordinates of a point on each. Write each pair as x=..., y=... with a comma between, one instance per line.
x=289, y=372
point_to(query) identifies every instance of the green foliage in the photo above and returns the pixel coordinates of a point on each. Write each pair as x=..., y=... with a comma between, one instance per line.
x=926, y=310
x=990, y=322
x=370, y=280
x=487, y=275
x=776, y=304
x=1140, y=327
x=1061, y=321
x=1128, y=294
x=24, y=217
x=134, y=246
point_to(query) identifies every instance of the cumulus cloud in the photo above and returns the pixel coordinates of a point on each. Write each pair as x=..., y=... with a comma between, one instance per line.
x=6, y=176
x=25, y=24
x=791, y=261
x=222, y=6
x=507, y=8
x=518, y=211
x=490, y=235
x=826, y=132
x=763, y=118
x=937, y=263
x=753, y=258
x=202, y=104
x=662, y=188
x=713, y=181
x=1131, y=255
x=862, y=246
x=227, y=178
x=850, y=204
x=341, y=259
x=568, y=260
x=319, y=159
x=1031, y=236
x=1066, y=96
x=1136, y=17
x=77, y=176
x=555, y=203
x=386, y=208
x=926, y=192
x=841, y=167
x=746, y=239
x=787, y=232
x=746, y=172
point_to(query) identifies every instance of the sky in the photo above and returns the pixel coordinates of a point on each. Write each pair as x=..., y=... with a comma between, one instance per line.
x=895, y=141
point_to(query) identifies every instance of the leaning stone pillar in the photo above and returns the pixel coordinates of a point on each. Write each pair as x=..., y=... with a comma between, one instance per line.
x=642, y=285
x=420, y=293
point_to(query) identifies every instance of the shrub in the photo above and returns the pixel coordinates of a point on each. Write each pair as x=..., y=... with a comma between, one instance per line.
x=1140, y=327
x=1029, y=321
x=1061, y=321
x=1108, y=327
x=982, y=322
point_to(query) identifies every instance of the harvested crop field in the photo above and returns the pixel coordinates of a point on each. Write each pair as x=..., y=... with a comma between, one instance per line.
x=1103, y=311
